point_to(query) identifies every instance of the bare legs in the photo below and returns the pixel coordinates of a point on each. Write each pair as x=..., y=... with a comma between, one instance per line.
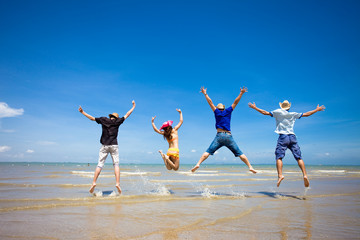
x=246, y=161
x=96, y=175
x=171, y=164
x=117, y=177
x=279, y=165
x=206, y=155
x=302, y=167
x=202, y=158
x=103, y=153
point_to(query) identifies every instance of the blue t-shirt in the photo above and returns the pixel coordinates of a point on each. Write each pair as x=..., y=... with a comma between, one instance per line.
x=223, y=118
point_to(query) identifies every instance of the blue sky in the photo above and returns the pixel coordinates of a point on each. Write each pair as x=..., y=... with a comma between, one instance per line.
x=57, y=55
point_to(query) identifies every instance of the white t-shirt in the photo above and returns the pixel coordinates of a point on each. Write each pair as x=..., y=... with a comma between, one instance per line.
x=285, y=121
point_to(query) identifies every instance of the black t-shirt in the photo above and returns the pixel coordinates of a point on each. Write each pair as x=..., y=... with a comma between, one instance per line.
x=110, y=128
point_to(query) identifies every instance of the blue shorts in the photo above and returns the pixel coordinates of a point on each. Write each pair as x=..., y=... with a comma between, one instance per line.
x=224, y=139
x=287, y=142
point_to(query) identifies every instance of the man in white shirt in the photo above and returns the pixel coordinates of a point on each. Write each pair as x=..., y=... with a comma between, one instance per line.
x=285, y=121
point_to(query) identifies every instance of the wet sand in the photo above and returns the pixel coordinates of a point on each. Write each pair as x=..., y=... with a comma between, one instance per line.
x=51, y=201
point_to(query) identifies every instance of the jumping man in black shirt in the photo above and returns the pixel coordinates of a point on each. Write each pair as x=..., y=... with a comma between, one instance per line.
x=110, y=127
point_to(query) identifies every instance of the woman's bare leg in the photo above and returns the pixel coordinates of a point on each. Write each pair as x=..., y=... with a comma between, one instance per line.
x=166, y=160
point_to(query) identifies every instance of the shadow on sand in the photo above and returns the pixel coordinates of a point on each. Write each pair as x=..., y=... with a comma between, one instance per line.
x=277, y=195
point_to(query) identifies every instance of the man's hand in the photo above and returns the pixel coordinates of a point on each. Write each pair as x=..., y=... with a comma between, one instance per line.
x=85, y=114
x=152, y=119
x=133, y=103
x=317, y=109
x=252, y=105
x=203, y=90
x=320, y=108
x=243, y=90
x=179, y=110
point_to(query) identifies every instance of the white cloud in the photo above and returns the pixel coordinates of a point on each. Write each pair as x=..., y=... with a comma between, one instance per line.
x=7, y=130
x=4, y=148
x=193, y=150
x=30, y=151
x=6, y=111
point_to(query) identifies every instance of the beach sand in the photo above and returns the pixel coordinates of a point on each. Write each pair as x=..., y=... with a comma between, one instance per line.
x=51, y=201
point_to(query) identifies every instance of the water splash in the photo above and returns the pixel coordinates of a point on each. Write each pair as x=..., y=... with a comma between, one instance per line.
x=113, y=194
x=305, y=192
x=98, y=194
x=276, y=194
x=161, y=190
x=155, y=188
x=206, y=192
x=238, y=194
x=110, y=194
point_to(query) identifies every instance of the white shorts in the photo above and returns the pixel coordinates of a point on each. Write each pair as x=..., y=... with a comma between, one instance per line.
x=103, y=153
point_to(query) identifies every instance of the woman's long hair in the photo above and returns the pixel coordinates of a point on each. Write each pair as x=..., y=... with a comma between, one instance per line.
x=167, y=133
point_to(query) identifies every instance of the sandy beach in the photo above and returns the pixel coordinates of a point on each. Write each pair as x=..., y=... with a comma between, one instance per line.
x=51, y=201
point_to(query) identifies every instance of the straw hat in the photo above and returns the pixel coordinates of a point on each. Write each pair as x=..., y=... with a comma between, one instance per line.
x=115, y=115
x=285, y=105
x=220, y=106
x=166, y=124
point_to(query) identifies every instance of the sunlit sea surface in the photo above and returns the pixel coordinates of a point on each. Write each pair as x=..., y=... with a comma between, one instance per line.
x=51, y=201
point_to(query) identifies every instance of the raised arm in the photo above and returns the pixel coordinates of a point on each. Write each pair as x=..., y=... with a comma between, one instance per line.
x=131, y=110
x=154, y=127
x=317, y=109
x=85, y=114
x=181, y=120
x=237, y=99
x=253, y=106
x=208, y=99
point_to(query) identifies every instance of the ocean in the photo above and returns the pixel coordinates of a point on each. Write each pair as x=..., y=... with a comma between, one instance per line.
x=51, y=201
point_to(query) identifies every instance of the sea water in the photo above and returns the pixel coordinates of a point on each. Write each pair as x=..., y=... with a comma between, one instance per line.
x=51, y=201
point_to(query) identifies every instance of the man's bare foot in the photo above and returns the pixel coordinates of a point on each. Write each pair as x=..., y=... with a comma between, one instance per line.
x=91, y=190
x=252, y=170
x=195, y=168
x=279, y=180
x=118, y=188
x=306, y=181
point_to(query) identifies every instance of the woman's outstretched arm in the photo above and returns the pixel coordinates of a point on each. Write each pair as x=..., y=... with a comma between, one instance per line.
x=181, y=120
x=154, y=127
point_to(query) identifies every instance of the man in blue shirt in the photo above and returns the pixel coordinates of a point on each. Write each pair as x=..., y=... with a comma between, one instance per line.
x=223, y=136
x=285, y=121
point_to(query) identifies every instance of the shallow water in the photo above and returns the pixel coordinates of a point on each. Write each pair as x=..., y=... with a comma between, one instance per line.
x=51, y=201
